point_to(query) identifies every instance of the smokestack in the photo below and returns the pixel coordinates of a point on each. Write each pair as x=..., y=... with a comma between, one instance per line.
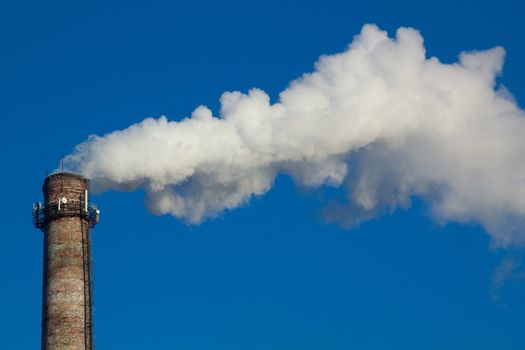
x=66, y=219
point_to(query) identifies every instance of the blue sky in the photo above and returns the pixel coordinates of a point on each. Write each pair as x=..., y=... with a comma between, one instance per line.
x=271, y=275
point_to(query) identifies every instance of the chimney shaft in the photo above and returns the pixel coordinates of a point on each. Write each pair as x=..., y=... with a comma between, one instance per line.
x=67, y=300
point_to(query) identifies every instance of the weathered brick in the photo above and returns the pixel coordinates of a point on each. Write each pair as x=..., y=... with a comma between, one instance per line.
x=67, y=315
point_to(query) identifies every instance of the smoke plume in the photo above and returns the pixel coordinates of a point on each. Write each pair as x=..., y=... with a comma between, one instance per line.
x=380, y=120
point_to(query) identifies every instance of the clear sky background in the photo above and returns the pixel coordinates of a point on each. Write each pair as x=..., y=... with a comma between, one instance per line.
x=271, y=275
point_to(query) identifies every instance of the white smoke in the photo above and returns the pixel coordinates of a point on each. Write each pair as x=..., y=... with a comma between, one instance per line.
x=380, y=120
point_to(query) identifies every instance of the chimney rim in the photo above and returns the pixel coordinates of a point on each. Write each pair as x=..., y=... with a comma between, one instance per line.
x=65, y=174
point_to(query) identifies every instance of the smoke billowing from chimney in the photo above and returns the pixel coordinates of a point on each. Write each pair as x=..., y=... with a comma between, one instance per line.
x=380, y=120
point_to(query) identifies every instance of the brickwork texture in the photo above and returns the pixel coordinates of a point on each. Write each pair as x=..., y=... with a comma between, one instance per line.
x=66, y=319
